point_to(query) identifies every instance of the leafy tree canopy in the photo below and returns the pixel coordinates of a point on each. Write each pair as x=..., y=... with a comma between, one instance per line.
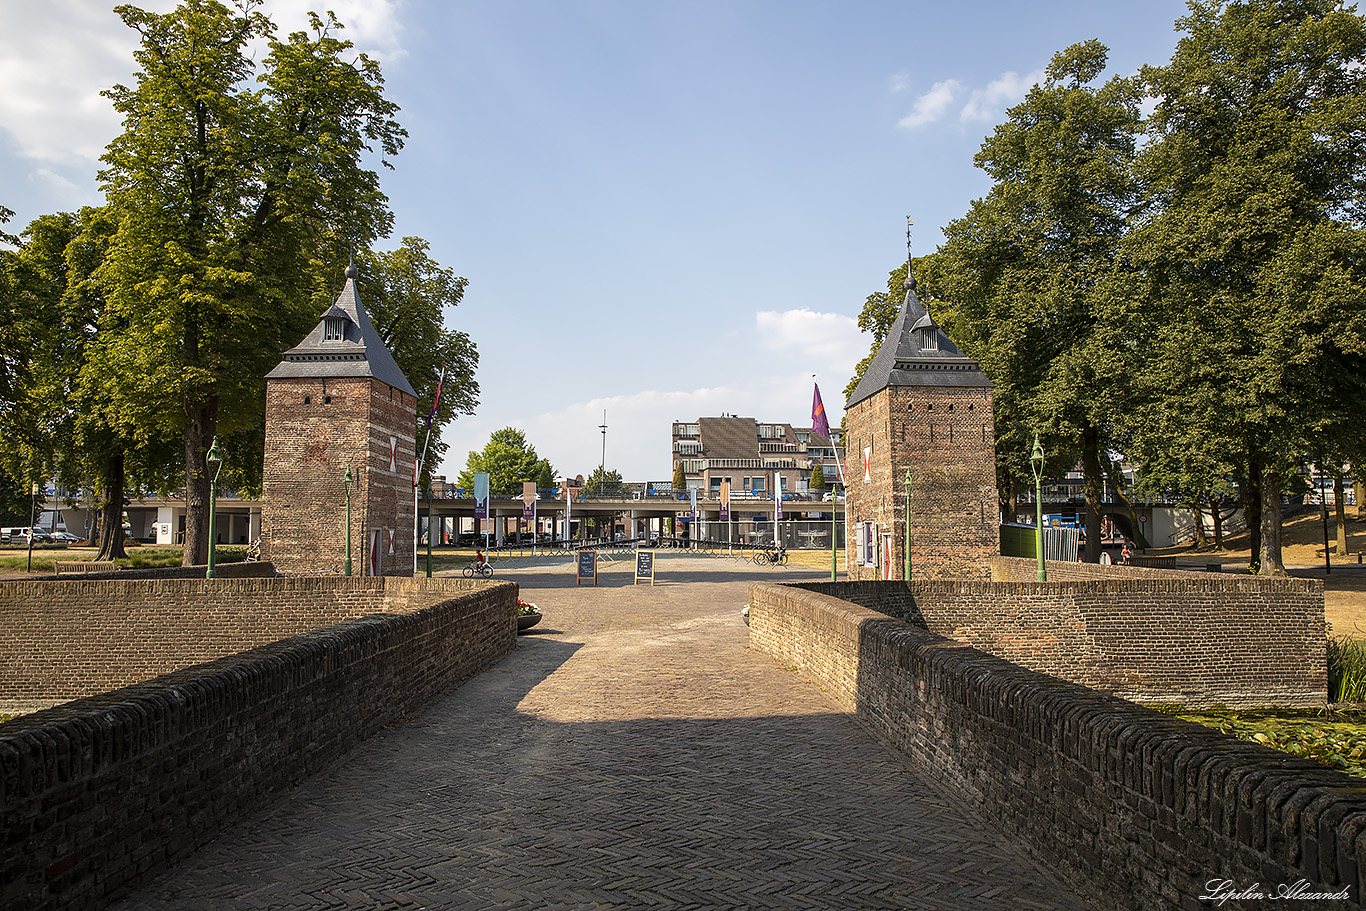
x=509, y=460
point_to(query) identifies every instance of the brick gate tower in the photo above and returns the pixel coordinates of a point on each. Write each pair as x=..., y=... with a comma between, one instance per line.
x=925, y=405
x=336, y=401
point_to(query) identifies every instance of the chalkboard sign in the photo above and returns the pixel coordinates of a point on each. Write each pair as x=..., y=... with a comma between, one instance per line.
x=588, y=567
x=645, y=566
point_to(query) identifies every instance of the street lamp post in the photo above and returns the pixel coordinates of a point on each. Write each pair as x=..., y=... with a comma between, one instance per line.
x=429, y=531
x=32, y=514
x=213, y=461
x=1036, y=463
x=346, y=482
x=907, y=542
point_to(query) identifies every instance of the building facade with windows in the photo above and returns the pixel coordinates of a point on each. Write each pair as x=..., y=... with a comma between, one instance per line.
x=754, y=458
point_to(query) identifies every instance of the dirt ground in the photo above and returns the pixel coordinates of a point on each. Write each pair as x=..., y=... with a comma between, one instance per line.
x=1344, y=589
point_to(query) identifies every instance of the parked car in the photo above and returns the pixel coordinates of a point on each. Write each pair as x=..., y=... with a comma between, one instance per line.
x=22, y=535
x=65, y=537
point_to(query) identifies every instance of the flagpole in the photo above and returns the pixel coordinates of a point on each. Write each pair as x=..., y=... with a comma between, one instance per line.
x=417, y=475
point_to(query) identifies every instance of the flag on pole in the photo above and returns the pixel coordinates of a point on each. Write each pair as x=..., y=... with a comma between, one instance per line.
x=437, y=400
x=819, y=423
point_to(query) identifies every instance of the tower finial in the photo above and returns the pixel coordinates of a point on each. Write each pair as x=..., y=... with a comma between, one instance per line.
x=909, y=283
x=351, y=270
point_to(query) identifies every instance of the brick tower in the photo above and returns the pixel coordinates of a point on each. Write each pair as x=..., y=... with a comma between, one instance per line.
x=336, y=401
x=925, y=405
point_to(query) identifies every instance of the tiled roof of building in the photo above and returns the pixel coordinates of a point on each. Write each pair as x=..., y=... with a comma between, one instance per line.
x=359, y=352
x=902, y=361
x=728, y=437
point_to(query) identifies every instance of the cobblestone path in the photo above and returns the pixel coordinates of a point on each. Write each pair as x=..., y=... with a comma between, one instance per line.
x=632, y=753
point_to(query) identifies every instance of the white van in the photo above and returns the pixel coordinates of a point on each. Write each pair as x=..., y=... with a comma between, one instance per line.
x=21, y=535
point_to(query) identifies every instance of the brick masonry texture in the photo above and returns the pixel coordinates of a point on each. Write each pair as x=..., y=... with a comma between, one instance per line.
x=100, y=794
x=315, y=429
x=945, y=435
x=1197, y=639
x=1137, y=810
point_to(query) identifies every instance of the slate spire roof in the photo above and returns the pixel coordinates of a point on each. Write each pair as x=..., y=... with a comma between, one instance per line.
x=916, y=352
x=343, y=344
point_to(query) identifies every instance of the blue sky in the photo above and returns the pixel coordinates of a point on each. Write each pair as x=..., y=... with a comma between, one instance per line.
x=664, y=210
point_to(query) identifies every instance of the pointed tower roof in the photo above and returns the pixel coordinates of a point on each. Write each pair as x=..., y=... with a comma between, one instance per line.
x=344, y=343
x=916, y=352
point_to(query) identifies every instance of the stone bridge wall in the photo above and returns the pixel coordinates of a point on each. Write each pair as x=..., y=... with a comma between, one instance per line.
x=1136, y=809
x=100, y=794
x=1153, y=636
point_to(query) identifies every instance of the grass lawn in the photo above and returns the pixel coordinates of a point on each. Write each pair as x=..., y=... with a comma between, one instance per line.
x=13, y=560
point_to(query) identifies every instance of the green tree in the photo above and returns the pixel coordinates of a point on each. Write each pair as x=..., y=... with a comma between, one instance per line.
x=1245, y=288
x=605, y=483
x=408, y=295
x=680, y=481
x=817, y=477
x=225, y=195
x=546, y=477
x=1024, y=272
x=509, y=460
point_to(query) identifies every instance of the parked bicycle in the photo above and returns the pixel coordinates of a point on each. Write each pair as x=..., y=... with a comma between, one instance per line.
x=773, y=556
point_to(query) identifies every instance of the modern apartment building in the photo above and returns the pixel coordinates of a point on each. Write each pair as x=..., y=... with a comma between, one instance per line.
x=756, y=458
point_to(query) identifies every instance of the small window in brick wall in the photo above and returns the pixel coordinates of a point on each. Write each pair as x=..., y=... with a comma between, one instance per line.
x=306, y=400
x=327, y=400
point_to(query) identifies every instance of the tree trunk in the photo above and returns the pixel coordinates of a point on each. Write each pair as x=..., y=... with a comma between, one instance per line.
x=1270, y=555
x=1218, y=515
x=1359, y=487
x=110, y=527
x=1252, y=511
x=1090, y=470
x=1340, y=495
x=199, y=433
x=1201, y=542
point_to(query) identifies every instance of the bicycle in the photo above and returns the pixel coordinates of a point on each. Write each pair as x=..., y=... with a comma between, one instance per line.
x=254, y=551
x=773, y=556
x=483, y=570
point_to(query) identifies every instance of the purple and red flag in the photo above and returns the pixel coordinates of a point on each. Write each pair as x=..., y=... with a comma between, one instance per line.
x=819, y=424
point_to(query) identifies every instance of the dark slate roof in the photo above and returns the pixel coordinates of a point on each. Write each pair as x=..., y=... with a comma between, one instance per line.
x=902, y=362
x=729, y=437
x=359, y=352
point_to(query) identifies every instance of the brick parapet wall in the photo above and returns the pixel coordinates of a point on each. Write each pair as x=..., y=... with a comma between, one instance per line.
x=100, y=794
x=80, y=636
x=255, y=570
x=1198, y=639
x=1135, y=809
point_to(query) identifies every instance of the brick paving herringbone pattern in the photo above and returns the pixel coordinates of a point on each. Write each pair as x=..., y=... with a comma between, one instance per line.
x=633, y=753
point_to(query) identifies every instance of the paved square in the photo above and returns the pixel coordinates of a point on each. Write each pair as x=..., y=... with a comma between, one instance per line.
x=632, y=753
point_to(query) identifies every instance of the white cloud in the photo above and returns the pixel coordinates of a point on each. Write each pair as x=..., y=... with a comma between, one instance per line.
x=899, y=82
x=57, y=56
x=931, y=105
x=639, y=425
x=817, y=338
x=988, y=104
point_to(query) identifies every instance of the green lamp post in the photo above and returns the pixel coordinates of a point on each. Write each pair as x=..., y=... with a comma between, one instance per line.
x=213, y=462
x=1036, y=463
x=346, y=481
x=907, y=542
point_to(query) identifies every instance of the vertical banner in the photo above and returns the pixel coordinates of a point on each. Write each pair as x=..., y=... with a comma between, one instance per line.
x=528, y=500
x=391, y=533
x=692, y=513
x=867, y=464
x=481, y=495
x=374, y=552
x=393, y=454
x=725, y=501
